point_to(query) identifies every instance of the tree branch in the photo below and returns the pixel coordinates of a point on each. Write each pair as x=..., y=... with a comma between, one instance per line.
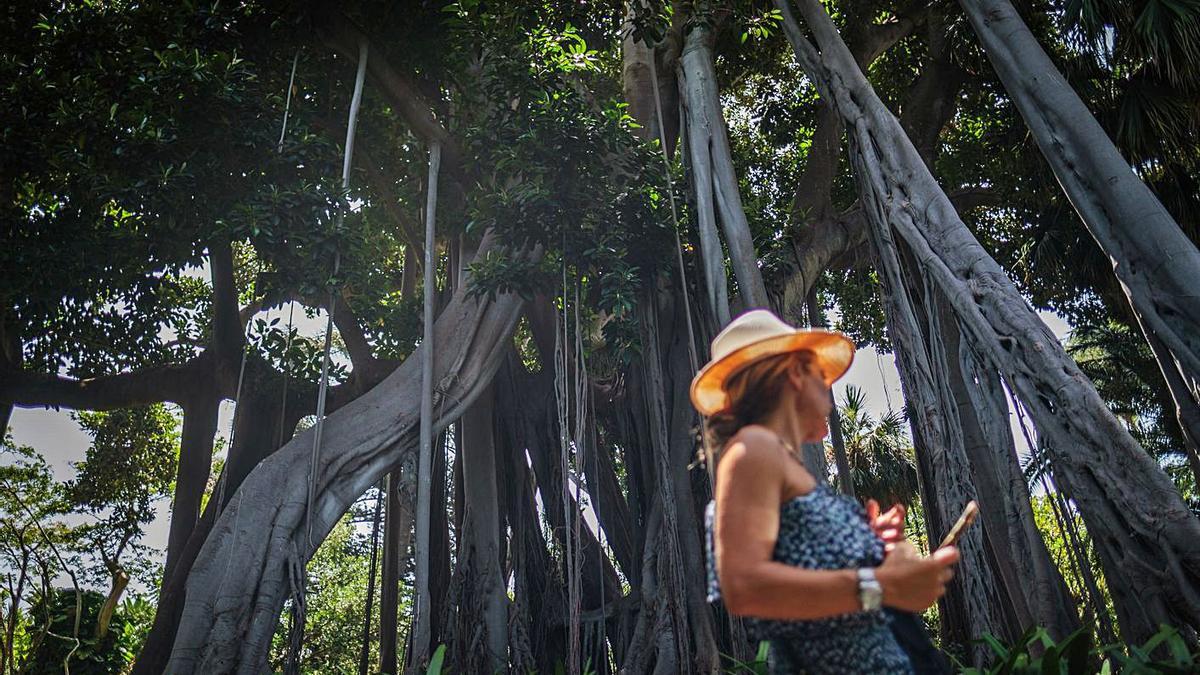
x=968, y=198
x=838, y=242
x=814, y=191
x=384, y=186
x=830, y=237
x=361, y=354
x=227, y=324
x=343, y=35
x=933, y=97
x=156, y=384
x=881, y=37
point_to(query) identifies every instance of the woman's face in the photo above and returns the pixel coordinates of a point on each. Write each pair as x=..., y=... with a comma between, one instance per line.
x=812, y=394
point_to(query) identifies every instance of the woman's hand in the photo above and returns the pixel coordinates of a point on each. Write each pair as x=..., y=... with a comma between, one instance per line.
x=913, y=583
x=889, y=527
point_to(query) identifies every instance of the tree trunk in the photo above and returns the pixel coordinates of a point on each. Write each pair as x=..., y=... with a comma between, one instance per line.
x=538, y=636
x=612, y=509
x=195, y=463
x=1156, y=263
x=397, y=535
x=484, y=607
x=364, y=655
x=245, y=563
x=666, y=600
x=1034, y=592
x=401, y=486
x=1149, y=543
x=1059, y=494
x=263, y=421
x=423, y=618
x=440, y=579
x=544, y=449
x=682, y=442
x=120, y=579
x=262, y=414
x=1187, y=409
x=695, y=138
x=816, y=319
x=969, y=608
x=714, y=178
x=640, y=69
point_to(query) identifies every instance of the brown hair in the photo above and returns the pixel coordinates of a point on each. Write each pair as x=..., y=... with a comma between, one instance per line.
x=753, y=392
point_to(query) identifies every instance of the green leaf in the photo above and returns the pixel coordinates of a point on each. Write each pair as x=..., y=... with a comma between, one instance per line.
x=1078, y=648
x=1050, y=661
x=1179, y=649
x=435, y=663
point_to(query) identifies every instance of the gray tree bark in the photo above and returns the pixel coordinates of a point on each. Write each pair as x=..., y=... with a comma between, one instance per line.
x=195, y=464
x=816, y=319
x=261, y=413
x=1149, y=543
x=243, y=572
x=1187, y=409
x=1033, y=590
x=639, y=64
x=401, y=486
x=537, y=636
x=674, y=629
x=683, y=421
x=823, y=234
x=969, y=608
x=714, y=178
x=1156, y=263
x=397, y=536
x=422, y=622
x=482, y=536
x=712, y=256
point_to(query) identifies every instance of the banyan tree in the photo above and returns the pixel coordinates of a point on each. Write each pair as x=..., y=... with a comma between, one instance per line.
x=523, y=223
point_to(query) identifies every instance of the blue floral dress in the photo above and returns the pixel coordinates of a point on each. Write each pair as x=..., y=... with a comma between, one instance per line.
x=829, y=531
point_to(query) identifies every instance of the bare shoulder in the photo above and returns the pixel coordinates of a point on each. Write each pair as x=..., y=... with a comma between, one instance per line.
x=754, y=449
x=756, y=461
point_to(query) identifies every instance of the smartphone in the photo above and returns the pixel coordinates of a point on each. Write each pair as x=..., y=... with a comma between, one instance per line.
x=964, y=521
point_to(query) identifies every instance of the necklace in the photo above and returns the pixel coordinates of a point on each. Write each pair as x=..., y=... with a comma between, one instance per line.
x=786, y=445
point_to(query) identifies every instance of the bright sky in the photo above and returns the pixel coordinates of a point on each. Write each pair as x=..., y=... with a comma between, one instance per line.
x=61, y=441
x=878, y=378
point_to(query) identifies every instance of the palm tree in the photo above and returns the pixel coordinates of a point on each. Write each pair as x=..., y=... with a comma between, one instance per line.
x=880, y=454
x=1125, y=374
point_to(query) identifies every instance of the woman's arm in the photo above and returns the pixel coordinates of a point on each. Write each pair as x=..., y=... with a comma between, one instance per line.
x=750, y=485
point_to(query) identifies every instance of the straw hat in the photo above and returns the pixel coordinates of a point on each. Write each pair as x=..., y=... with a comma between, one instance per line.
x=756, y=335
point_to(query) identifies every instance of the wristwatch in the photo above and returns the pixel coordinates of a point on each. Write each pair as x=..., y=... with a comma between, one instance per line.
x=870, y=593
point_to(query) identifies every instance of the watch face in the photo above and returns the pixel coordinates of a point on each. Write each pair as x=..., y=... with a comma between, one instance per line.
x=870, y=593
x=872, y=598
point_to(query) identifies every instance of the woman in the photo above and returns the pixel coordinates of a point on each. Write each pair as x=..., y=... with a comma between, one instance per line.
x=804, y=565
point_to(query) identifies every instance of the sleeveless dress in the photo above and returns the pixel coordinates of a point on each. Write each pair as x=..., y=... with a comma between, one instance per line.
x=823, y=530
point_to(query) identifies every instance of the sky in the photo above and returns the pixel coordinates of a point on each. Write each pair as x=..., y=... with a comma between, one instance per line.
x=61, y=441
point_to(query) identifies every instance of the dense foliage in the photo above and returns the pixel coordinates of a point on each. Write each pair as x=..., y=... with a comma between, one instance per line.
x=171, y=188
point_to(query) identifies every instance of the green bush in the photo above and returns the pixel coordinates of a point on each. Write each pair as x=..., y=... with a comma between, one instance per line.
x=53, y=625
x=1167, y=653
x=756, y=667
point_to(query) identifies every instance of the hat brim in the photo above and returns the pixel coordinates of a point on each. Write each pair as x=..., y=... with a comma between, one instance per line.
x=834, y=353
